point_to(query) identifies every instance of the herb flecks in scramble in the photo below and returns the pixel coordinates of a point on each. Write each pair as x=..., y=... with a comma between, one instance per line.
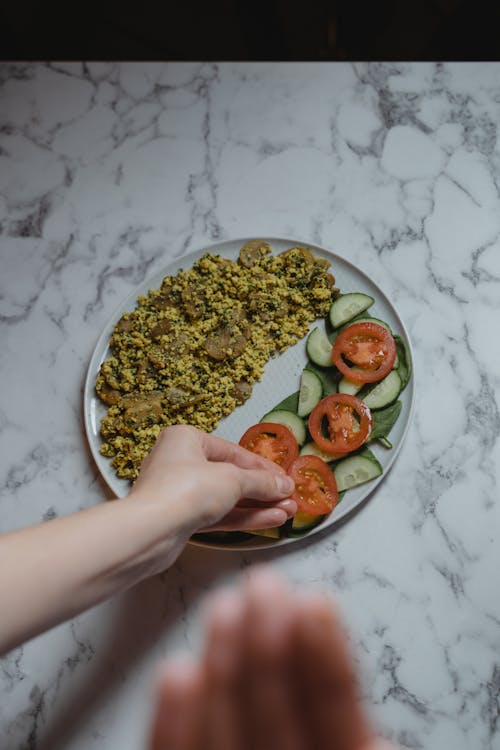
x=190, y=351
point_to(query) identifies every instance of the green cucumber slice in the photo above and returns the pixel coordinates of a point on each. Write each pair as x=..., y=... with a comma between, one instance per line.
x=383, y=393
x=318, y=348
x=356, y=470
x=367, y=319
x=311, y=449
x=349, y=386
x=294, y=423
x=329, y=377
x=273, y=533
x=311, y=390
x=348, y=306
x=301, y=523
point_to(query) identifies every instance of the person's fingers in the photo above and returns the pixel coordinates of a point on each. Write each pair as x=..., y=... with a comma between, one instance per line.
x=223, y=672
x=268, y=698
x=178, y=717
x=261, y=485
x=326, y=679
x=243, y=519
x=217, y=449
x=287, y=504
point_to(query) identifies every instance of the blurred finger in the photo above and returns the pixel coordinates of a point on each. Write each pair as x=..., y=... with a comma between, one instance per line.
x=326, y=679
x=178, y=712
x=270, y=711
x=223, y=672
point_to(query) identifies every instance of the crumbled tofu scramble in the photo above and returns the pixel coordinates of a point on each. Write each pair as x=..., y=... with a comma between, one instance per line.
x=191, y=350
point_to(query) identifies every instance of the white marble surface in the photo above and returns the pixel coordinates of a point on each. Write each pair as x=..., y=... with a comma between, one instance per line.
x=109, y=171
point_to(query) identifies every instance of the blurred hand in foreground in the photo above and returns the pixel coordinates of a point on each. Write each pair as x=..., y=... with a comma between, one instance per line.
x=275, y=674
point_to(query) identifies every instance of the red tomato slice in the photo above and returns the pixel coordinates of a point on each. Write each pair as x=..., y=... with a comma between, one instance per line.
x=348, y=422
x=272, y=441
x=369, y=347
x=315, y=486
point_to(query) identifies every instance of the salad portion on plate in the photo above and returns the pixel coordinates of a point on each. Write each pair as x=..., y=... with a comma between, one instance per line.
x=348, y=398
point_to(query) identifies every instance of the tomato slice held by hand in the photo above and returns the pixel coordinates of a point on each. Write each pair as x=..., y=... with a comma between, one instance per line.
x=315, y=486
x=272, y=441
x=369, y=347
x=345, y=419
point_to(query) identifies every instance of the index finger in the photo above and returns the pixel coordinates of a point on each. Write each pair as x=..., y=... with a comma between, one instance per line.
x=217, y=449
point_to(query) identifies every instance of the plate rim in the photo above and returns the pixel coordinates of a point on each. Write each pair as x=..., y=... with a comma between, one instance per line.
x=100, y=352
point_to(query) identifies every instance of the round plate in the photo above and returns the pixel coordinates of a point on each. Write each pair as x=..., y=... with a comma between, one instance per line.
x=280, y=379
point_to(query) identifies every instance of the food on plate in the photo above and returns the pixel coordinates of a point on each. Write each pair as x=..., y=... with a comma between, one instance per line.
x=191, y=350
x=272, y=441
x=364, y=352
x=333, y=417
x=340, y=423
x=316, y=490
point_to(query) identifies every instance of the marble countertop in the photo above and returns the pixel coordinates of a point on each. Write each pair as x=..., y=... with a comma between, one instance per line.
x=109, y=171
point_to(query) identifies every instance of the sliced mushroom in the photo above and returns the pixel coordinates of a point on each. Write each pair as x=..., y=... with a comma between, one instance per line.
x=109, y=395
x=145, y=371
x=253, y=251
x=164, y=300
x=225, y=344
x=124, y=325
x=175, y=344
x=161, y=328
x=193, y=302
x=241, y=391
x=176, y=396
x=330, y=280
x=141, y=407
x=238, y=317
x=267, y=307
x=323, y=262
x=302, y=252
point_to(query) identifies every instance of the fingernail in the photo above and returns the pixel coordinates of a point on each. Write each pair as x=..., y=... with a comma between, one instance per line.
x=284, y=484
x=290, y=506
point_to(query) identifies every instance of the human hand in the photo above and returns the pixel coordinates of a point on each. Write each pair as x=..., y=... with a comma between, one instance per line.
x=275, y=674
x=213, y=483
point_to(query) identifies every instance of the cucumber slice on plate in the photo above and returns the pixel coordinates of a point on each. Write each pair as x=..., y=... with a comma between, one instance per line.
x=318, y=348
x=311, y=449
x=273, y=533
x=294, y=423
x=355, y=470
x=311, y=390
x=349, y=386
x=301, y=523
x=371, y=320
x=385, y=392
x=348, y=306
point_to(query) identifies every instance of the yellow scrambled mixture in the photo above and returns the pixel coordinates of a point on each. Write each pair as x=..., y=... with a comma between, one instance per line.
x=190, y=351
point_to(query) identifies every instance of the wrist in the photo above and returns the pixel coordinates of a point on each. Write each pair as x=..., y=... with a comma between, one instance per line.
x=157, y=531
x=178, y=503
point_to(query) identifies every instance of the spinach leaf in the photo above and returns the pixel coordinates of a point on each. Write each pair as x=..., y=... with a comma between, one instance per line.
x=290, y=403
x=384, y=420
x=385, y=442
x=404, y=367
x=366, y=453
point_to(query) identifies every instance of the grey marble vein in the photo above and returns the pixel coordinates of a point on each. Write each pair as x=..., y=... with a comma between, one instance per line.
x=109, y=171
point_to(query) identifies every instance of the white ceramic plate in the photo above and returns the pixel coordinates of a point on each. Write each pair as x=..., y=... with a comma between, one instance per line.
x=280, y=379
